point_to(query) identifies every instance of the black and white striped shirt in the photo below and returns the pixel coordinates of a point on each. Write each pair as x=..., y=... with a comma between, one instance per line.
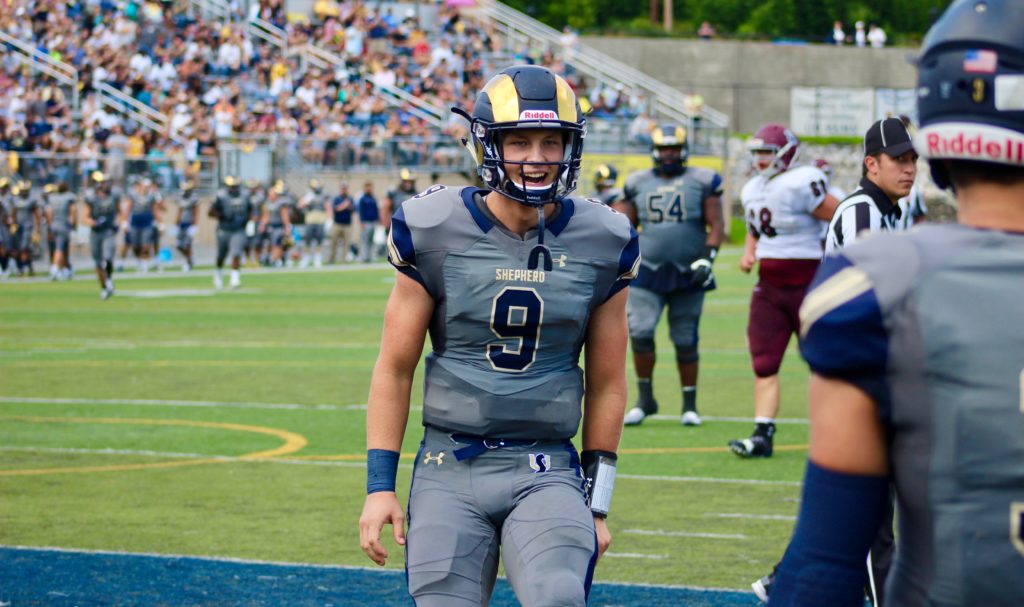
x=866, y=209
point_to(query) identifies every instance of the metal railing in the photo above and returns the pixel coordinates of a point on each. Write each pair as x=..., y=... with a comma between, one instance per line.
x=168, y=173
x=216, y=8
x=135, y=109
x=666, y=101
x=439, y=154
x=62, y=72
x=268, y=32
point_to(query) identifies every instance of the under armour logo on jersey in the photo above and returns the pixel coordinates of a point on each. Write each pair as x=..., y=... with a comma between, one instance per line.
x=540, y=462
x=437, y=459
x=561, y=260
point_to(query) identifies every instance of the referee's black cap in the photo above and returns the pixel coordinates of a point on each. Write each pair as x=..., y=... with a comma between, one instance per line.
x=888, y=135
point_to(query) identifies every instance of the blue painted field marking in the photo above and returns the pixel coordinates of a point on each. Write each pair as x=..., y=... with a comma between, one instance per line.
x=63, y=578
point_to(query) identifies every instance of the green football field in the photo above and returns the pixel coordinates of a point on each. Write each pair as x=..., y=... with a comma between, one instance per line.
x=176, y=420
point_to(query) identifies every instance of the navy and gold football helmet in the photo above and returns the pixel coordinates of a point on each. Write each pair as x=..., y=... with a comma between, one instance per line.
x=666, y=139
x=605, y=176
x=525, y=97
x=970, y=88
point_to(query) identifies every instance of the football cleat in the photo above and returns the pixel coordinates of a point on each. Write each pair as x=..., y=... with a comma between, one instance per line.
x=218, y=281
x=235, y=281
x=763, y=586
x=755, y=446
x=642, y=409
x=690, y=418
x=106, y=293
x=634, y=417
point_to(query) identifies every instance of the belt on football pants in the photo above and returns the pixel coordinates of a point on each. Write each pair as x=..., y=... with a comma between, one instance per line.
x=475, y=445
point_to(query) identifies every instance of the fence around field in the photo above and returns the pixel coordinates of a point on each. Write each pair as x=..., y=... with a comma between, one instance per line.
x=168, y=173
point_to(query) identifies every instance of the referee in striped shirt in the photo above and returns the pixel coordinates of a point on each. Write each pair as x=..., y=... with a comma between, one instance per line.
x=888, y=172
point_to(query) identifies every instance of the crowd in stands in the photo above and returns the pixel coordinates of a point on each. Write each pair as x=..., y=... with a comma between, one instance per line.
x=215, y=81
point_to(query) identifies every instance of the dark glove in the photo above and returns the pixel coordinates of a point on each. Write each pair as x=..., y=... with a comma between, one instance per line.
x=700, y=269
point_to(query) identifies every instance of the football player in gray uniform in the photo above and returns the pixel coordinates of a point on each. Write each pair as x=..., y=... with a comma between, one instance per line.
x=397, y=195
x=604, y=185
x=61, y=218
x=142, y=222
x=314, y=206
x=6, y=218
x=104, y=212
x=917, y=355
x=678, y=211
x=275, y=222
x=233, y=210
x=188, y=204
x=513, y=283
x=28, y=223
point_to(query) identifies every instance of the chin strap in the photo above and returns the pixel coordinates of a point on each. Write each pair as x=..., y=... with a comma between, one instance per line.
x=540, y=250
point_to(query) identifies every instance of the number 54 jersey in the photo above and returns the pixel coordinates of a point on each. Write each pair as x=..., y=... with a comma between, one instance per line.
x=778, y=213
x=506, y=339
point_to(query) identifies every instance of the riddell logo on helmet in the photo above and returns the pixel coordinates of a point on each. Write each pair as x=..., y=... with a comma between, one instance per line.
x=538, y=115
x=995, y=146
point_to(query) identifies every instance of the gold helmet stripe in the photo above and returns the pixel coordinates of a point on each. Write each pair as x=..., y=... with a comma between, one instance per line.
x=501, y=91
x=566, y=100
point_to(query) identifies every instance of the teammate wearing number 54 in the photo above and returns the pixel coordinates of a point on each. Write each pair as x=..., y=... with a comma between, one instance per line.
x=784, y=205
x=678, y=211
x=513, y=283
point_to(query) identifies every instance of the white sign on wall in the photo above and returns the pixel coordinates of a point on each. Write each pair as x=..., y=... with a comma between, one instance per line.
x=895, y=102
x=831, y=112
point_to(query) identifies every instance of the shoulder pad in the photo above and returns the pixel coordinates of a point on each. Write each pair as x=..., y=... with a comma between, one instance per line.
x=431, y=207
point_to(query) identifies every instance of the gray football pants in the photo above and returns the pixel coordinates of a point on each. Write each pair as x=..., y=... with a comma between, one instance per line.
x=525, y=502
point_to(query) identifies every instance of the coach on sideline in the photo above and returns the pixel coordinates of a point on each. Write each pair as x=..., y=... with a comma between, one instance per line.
x=888, y=172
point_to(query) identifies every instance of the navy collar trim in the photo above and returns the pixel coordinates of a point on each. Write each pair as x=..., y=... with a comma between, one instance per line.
x=555, y=227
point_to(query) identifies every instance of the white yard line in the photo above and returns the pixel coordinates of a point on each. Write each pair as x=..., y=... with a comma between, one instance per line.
x=170, y=454
x=197, y=403
x=705, y=479
x=125, y=344
x=693, y=534
x=635, y=555
x=745, y=420
x=756, y=517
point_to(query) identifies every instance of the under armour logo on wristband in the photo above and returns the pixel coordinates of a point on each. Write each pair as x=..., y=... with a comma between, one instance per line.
x=438, y=459
x=540, y=462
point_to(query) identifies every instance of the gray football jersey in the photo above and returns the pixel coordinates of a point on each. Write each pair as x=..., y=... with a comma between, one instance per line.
x=141, y=204
x=398, y=196
x=60, y=206
x=24, y=207
x=938, y=341
x=103, y=208
x=234, y=211
x=670, y=212
x=507, y=340
x=188, y=204
x=273, y=208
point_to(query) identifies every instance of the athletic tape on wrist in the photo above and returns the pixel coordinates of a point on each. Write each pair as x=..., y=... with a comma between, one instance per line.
x=381, y=470
x=599, y=472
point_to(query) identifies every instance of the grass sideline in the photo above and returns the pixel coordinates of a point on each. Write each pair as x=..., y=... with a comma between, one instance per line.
x=161, y=413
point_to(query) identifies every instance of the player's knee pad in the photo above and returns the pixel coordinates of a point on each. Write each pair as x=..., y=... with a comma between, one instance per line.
x=766, y=364
x=442, y=560
x=556, y=589
x=642, y=345
x=687, y=354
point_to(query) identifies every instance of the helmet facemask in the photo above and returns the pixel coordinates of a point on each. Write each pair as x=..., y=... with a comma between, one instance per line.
x=488, y=139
